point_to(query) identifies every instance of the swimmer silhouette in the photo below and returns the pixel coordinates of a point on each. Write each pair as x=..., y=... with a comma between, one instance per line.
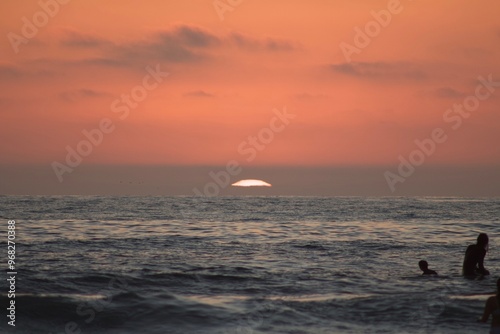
x=424, y=266
x=493, y=307
x=474, y=257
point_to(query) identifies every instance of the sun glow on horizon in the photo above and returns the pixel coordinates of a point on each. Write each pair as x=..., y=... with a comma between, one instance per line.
x=251, y=183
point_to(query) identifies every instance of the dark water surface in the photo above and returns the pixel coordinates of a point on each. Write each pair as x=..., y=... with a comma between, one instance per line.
x=247, y=264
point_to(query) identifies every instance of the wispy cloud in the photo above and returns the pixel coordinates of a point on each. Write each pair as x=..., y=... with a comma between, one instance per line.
x=198, y=93
x=267, y=44
x=76, y=39
x=307, y=96
x=9, y=71
x=448, y=93
x=179, y=44
x=101, y=61
x=380, y=70
x=192, y=36
x=84, y=93
x=182, y=45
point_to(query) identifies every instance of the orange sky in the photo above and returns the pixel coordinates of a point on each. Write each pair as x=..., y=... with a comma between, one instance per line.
x=227, y=76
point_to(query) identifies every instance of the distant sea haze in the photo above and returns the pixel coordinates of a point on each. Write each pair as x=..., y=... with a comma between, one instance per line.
x=452, y=180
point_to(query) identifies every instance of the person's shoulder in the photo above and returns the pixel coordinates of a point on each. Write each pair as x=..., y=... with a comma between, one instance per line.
x=429, y=272
x=472, y=248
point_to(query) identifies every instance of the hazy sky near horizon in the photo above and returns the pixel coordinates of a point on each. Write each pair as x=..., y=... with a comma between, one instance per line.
x=312, y=84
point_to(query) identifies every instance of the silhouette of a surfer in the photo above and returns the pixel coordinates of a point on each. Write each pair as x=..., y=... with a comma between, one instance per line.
x=474, y=257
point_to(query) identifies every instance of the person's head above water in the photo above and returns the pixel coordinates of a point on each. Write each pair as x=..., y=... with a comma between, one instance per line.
x=482, y=240
x=423, y=265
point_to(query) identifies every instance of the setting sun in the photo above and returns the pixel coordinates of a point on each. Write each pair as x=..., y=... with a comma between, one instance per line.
x=251, y=183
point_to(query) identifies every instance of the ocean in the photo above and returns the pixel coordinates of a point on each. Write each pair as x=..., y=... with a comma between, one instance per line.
x=246, y=265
